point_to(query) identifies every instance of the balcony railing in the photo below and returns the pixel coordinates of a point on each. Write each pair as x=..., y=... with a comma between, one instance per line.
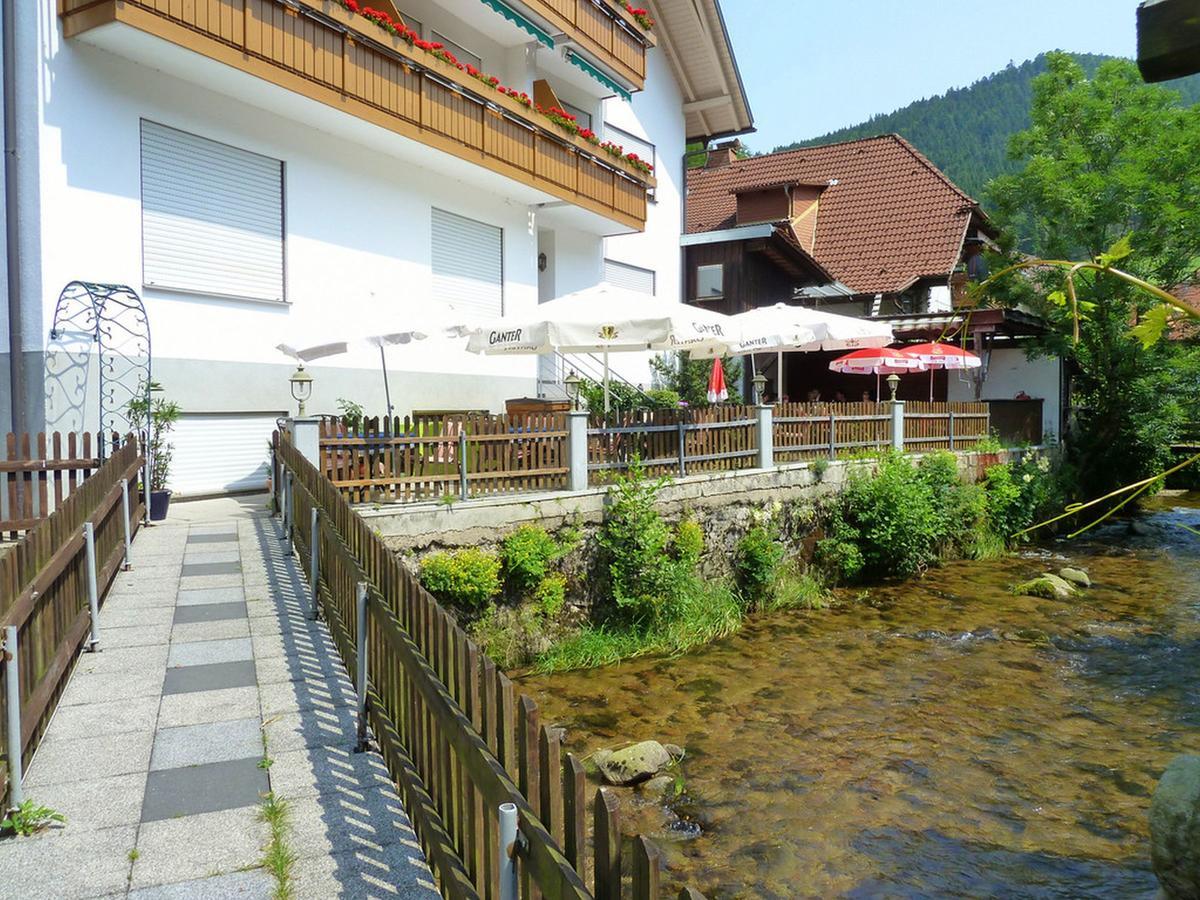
x=326, y=53
x=605, y=30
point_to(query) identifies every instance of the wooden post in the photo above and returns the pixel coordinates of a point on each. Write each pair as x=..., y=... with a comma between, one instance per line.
x=360, y=661
x=608, y=847
x=575, y=812
x=645, y=870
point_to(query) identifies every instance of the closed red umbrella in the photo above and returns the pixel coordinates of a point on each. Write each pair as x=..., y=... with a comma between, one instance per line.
x=717, y=392
x=877, y=361
x=943, y=356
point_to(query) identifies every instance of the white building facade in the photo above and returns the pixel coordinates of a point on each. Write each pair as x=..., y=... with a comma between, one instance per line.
x=262, y=171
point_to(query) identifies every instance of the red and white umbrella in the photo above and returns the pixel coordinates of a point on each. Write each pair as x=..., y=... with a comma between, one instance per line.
x=877, y=361
x=943, y=356
x=717, y=392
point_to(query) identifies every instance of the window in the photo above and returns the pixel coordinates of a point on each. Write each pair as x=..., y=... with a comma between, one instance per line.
x=468, y=264
x=462, y=54
x=632, y=144
x=414, y=24
x=710, y=282
x=631, y=278
x=583, y=119
x=212, y=217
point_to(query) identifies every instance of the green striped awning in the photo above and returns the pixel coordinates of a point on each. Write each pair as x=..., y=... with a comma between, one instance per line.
x=605, y=80
x=520, y=21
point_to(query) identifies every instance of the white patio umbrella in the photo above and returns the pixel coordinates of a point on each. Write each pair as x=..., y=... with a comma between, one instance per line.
x=605, y=319
x=444, y=323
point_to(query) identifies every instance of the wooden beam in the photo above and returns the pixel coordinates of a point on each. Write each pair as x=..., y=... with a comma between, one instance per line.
x=1168, y=39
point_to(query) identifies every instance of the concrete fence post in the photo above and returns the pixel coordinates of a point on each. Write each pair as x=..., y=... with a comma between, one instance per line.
x=125, y=521
x=766, y=436
x=898, y=425
x=314, y=562
x=306, y=436
x=12, y=694
x=577, y=450
x=360, y=663
x=506, y=856
x=89, y=542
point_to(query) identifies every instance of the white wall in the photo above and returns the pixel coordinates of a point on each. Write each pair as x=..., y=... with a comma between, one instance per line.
x=1009, y=373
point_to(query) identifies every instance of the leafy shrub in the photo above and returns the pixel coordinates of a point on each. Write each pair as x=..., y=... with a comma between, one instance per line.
x=756, y=562
x=646, y=563
x=527, y=554
x=1022, y=493
x=551, y=595
x=689, y=543
x=514, y=636
x=961, y=508
x=466, y=579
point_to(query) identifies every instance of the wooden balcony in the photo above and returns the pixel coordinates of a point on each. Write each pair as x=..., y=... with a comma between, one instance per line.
x=605, y=30
x=325, y=53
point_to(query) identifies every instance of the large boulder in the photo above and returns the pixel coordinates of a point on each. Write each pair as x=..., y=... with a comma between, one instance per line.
x=1075, y=576
x=1175, y=828
x=634, y=764
x=1046, y=586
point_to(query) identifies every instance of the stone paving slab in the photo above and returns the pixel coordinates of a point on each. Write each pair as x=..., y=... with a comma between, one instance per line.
x=364, y=875
x=86, y=687
x=209, y=612
x=211, y=631
x=213, y=595
x=314, y=727
x=201, y=846
x=204, y=537
x=217, y=676
x=200, y=707
x=206, y=788
x=327, y=770
x=293, y=696
x=199, y=653
x=111, y=717
x=252, y=885
x=96, y=802
x=60, y=760
x=194, y=745
x=82, y=864
x=194, y=557
x=204, y=569
x=136, y=636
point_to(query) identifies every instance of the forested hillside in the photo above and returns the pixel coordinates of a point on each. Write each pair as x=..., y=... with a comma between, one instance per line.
x=966, y=130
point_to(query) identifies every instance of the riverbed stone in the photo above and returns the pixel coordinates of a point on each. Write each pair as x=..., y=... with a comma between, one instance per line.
x=1046, y=586
x=659, y=786
x=634, y=764
x=1075, y=576
x=1175, y=828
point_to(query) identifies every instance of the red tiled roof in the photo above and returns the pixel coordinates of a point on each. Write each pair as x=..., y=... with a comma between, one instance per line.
x=891, y=217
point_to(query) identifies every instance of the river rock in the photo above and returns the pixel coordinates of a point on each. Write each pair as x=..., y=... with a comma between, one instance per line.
x=632, y=765
x=1046, y=586
x=659, y=786
x=1075, y=576
x=1175, y=828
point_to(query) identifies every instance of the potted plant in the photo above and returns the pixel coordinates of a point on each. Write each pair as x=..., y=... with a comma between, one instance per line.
x=154, y=418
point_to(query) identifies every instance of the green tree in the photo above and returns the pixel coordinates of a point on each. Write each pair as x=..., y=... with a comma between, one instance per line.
x=1108, y=172
x=688, y=378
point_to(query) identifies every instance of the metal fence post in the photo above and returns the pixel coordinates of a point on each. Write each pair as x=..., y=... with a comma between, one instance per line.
x=314, y=560
x=765, y=426
x=125, y=520
x=89, y=540
x=951, y=429
x=682, y=426
x=12, y=691
x=360, y=665
x=832, y=436
x=506, y=849
x=290, y=520
x=146, y=484
x=463, y=492
x=898, y=426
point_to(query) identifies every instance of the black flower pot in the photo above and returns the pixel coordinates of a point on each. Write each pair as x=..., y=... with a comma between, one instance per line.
x=159, y=501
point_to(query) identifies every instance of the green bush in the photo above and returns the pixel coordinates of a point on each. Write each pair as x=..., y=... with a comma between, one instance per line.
x=551, y=595
x=527, y=554
x=796, y=588
x=646, y=563
x=689, y=543
x=755, y=565
x=466, y=579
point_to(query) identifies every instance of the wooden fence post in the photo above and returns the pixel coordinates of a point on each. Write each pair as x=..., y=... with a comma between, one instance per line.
x=608, y=847
x=645, y=870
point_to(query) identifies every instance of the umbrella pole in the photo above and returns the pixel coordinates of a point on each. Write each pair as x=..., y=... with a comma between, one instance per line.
x=387, y=390
x=606, y=383
x=779, y=377
x=877, y=400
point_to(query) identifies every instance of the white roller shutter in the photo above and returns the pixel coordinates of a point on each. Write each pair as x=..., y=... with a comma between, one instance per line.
x=467, y=261
x=212, y=217
x=632, y=278
x=217, y=453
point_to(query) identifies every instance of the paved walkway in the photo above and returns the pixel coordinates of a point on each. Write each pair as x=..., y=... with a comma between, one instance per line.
x=210, y=689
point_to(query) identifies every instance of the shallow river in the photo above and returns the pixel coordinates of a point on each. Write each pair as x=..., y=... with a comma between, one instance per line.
x=945, y=737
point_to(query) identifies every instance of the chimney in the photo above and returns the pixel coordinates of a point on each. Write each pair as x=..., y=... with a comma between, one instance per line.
x=723, y=154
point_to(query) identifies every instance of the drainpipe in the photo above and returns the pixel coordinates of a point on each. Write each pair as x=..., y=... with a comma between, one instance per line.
x=16, y=369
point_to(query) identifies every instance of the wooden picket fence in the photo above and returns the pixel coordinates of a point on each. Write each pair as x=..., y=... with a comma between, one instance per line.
x=826, y=430
x=457, y=738
x=429, y=457
x=44, y=588
x=673, y=441
x=945, y=426
x=38, y=472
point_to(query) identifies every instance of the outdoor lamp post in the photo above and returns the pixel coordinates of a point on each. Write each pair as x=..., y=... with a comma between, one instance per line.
x=301, y=383
x=571, y=383
x=760, y=386
x=893, y=383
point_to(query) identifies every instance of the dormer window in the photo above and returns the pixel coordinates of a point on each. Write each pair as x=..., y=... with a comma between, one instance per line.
x=710, y=282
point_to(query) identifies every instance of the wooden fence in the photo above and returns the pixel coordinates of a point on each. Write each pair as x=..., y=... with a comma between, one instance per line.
x=825, y=430
x=44, y=588
x=38, y=472
x=674, y=441
x=945, y=426
x=457, y=738
x=429, y=457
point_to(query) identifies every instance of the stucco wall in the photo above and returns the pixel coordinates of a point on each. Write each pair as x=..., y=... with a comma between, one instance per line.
x=1009, y=373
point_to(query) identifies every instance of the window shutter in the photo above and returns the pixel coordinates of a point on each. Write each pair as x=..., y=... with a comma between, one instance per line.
x=631, y=278
x=212, y=217
x=467, y=260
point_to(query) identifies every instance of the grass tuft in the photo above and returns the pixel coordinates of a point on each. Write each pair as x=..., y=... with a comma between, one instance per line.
x=278, y=858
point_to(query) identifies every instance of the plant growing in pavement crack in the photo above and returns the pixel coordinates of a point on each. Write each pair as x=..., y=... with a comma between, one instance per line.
x=30, y=818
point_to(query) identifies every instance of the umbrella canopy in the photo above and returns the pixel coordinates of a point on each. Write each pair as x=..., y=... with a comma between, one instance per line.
x=944, y=356
x=717, y=392
x=604, y=319
x=787, y=327
x=877, y=361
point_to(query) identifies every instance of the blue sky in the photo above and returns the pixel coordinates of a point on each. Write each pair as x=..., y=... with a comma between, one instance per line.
x=811, y=66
